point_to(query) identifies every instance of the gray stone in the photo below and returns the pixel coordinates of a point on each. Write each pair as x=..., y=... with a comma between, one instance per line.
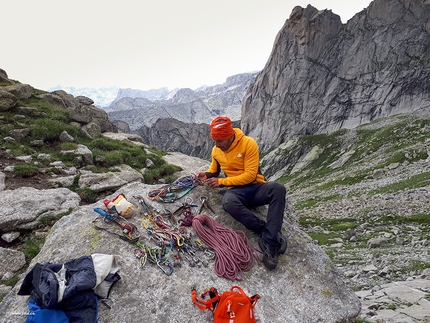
x=91, y=130
x=20, y=91
x=111, y=180
x=57, y=164
x=10, y=236
x=2, y=181
x=22, y=207
x=9, y=139
x=86, y=154
x=19, y=134
x=44, y=156
x=25, y=159
x=64, y=181
x=11, y=261
x=65, y=137
x=377, y=242
x=36, y=143
x=332, y=69
x=393, y=165
x=7, y=100
x=84, y=100
x=378, y=173
x=149, y=163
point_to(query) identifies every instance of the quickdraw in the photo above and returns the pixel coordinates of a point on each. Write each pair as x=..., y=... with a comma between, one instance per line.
x=128, y=229
x=156, y=255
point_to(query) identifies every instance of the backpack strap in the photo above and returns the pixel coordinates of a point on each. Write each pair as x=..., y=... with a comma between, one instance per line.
x=210, y=304
x=253, y=299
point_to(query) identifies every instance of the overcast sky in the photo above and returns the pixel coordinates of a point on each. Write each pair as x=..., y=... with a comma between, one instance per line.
x=144, y=44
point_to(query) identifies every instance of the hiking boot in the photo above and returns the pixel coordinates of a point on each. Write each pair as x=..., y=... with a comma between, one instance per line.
x=270, y=259
x=283, y=242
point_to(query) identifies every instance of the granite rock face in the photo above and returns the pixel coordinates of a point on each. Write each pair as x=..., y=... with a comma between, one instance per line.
x=323, y=75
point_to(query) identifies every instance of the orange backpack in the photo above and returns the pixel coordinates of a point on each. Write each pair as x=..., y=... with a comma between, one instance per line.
x=233, y=306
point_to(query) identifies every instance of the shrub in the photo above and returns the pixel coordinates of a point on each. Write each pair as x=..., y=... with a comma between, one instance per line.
x=26, y=170
x=49, y=220
x=33, y=245
x=49, y=130
x=87, y=195
x=11, y=281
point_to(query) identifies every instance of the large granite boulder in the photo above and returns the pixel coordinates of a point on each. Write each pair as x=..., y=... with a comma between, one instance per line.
x=305, y=287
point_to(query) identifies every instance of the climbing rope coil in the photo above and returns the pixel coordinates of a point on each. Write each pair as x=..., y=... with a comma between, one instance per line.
x=234, y=253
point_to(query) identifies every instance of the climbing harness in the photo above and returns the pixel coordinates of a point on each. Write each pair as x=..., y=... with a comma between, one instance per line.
x=176, y=190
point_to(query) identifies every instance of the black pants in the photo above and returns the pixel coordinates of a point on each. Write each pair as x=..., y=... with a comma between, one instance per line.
x=238, y=201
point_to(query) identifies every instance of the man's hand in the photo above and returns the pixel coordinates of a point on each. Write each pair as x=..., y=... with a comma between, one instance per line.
x=202, y=176
x=212, y=182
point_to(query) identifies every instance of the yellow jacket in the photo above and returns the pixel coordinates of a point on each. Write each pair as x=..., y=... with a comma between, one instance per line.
x=240, y=162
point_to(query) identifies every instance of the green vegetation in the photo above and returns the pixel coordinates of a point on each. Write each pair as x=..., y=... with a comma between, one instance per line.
x=11, y=281
x=418, y=265
x=49, y=220
x=314, y=201
x=398, y=142
x=47, y=121
x=33, y=245
x=416, y=181
x=417, y=218
x=26, y=170
x=340, y=224
x=324, y=238
x=360, y=320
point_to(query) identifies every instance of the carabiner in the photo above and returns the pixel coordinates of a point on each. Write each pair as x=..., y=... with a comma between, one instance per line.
x=180, y=240
x=166, y=264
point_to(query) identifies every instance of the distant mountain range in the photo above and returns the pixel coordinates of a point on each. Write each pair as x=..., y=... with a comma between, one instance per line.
x=105, y=96
x=102, y=97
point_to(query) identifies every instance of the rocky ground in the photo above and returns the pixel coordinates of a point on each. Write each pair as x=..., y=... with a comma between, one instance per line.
x=384, y=257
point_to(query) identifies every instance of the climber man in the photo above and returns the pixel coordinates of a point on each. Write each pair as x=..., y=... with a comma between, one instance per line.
x=237, y=155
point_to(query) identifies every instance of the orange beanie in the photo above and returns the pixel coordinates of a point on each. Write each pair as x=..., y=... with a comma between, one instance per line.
x=221, y=128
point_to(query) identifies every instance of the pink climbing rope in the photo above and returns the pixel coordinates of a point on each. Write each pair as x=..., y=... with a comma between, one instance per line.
x=234, y=254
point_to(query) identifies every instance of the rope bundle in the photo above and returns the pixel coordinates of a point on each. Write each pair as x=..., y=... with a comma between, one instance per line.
x=234, y=254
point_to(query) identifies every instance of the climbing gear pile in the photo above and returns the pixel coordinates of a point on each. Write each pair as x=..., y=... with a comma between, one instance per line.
x=234, y=254
x=176, y=190
x=169, y=243
x=231, y=306
x=168, y=239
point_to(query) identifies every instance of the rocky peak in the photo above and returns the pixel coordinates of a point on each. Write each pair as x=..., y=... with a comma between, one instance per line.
x=184, y=96
x=322, y=75
x=186, y=105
